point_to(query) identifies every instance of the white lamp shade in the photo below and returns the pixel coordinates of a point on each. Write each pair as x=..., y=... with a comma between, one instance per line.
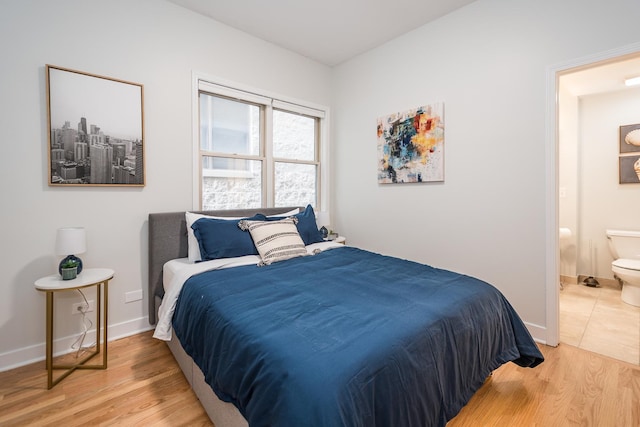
x=323, y=219
x=71, y=241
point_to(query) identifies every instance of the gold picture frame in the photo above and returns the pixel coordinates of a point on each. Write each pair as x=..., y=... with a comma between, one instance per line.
x=95, y=128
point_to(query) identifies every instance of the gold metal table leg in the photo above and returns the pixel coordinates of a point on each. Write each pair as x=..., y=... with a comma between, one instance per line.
x=106, y=310
x=49, y=343
x=101, y=323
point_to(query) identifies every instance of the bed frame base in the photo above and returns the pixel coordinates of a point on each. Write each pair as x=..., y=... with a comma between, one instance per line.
x=168, y=240
x=223, y=414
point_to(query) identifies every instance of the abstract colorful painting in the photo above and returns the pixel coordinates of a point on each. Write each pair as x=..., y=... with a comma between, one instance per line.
x=411, y=145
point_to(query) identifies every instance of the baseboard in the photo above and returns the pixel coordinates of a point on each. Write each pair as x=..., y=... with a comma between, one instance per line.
x=36, y=353
x=568, y=280
x=538, y=333
x=579, y=280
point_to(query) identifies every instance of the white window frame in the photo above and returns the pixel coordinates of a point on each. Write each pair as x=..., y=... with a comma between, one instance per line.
x=219, y=86
x=231, y=173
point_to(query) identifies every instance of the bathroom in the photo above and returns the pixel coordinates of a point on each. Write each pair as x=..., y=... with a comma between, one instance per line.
x=593, y=103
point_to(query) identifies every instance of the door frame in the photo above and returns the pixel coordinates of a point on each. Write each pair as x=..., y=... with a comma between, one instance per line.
x=552, y=246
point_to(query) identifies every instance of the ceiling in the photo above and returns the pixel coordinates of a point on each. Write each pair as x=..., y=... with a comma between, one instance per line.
x=333, y=31
x=601, y=78
x=327, y=31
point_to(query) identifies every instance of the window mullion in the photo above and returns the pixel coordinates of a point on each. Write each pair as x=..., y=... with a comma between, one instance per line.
x=320, y=199
x=299, y=162
x=269, y=168
x=204, y=153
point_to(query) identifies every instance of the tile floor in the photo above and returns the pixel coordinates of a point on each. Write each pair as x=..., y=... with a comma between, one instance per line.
x=596, y=319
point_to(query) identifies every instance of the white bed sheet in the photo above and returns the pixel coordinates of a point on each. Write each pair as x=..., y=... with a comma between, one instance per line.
x=176, y=272
x=170, y=269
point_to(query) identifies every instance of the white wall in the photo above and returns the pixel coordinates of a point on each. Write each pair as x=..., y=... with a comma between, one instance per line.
x=151, y=42
x=487, y=62
x=603, y=202
x=568, y=131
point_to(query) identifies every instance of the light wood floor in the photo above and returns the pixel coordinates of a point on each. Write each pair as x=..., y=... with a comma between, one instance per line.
x=144, y=386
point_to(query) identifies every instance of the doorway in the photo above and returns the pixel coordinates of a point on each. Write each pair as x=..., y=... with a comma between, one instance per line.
x=589, y=94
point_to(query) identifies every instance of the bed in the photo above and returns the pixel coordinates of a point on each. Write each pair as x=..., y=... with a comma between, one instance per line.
x=335, y=336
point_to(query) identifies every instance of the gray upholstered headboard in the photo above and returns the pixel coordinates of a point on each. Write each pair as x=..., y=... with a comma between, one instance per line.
x=168, y=240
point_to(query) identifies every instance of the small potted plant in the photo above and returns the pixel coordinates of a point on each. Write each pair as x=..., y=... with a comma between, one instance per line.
x=69, y=270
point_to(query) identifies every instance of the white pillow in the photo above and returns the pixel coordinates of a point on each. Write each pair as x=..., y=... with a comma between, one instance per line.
x=290, y=213
x=275, y=240
x=193, y=248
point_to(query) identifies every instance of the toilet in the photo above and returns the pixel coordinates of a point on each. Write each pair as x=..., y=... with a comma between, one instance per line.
x=625, y=249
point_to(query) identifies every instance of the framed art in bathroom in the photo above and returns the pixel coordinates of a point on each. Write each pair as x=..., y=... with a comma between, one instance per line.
x=629, y=169
x=95, y=130
x=411, y=145
x=630, y=139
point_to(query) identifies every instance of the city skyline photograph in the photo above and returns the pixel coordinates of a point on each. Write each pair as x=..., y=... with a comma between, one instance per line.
x=96, y=129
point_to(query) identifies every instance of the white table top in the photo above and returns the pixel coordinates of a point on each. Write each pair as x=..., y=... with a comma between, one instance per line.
x=88, y=277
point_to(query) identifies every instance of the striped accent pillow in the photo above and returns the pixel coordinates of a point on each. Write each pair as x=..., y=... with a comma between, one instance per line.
x=275, y=240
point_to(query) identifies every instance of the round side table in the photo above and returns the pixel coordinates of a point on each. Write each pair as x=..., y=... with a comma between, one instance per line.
x=98, y=277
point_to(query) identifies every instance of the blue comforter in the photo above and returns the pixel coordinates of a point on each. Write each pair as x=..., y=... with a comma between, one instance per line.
x=348, y=338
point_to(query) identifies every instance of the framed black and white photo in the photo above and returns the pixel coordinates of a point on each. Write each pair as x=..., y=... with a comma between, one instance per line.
x=96, y=130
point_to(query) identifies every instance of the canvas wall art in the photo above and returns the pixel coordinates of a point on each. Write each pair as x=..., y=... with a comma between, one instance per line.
x=629, y=169
x=630, y=139
x=411, y=145
x=629, y=161
x=96, y=131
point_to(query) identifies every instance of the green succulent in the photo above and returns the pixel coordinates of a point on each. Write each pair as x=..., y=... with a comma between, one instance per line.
x=70, y=264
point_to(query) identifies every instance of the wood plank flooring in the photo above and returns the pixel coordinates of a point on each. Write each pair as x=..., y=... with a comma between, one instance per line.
x=143, y=386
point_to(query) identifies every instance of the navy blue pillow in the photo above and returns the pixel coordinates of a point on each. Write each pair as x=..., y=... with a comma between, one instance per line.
x=221, y=238
x=307, y=226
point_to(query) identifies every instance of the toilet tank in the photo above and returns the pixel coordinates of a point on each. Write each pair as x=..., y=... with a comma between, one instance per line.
x=624, y=244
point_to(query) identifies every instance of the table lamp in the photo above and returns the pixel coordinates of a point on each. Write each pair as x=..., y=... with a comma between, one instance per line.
x=71, y=241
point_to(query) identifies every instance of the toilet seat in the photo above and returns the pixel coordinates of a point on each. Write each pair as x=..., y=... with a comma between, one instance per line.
x=628, y=264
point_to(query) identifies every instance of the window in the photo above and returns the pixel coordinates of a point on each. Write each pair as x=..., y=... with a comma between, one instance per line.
x=257, y=151
x=295, y=156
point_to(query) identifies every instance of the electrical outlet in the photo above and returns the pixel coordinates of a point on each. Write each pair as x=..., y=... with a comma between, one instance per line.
x=133, y=296
x=77, y=308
